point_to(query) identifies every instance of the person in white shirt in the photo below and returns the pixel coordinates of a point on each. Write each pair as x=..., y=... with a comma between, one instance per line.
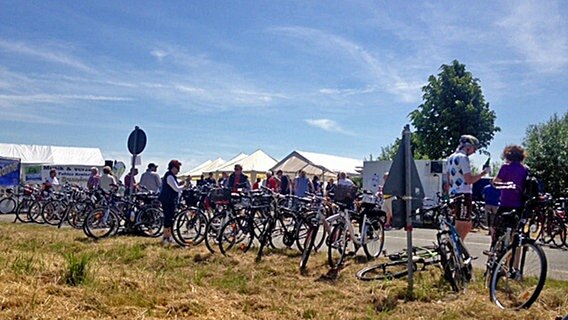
x=52, y=183
x=151, y=179
x=107, y=179
x=344, y=181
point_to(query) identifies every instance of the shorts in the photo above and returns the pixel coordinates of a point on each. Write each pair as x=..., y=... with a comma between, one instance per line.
x=169, y=212
x=462, y=207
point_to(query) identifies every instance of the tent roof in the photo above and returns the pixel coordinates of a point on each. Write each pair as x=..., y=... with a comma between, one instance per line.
x=207, y=166
x=236, y=159
x=258, y=161
x=318, y=163
x=36, y=154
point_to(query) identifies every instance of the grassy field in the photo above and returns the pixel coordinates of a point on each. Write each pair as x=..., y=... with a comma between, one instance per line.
x=47, y=273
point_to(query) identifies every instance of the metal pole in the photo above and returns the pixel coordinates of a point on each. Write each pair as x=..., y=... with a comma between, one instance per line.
x=131, y=187
x=408, y=196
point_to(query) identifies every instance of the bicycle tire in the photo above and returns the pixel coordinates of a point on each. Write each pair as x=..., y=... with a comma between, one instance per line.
x=504, y=280
x=283, y=231
x=35, y=213
x=373, y=237
x=53, y=211
x=151, y=222
x=236, y=235
x=101, y=223
x=189, y=227
x=337, y=246
x=385, y=271
x=309, y=244
x=212, y=230
x=8, y=205
x=555, y=232
x=305, y=224
x=22, y=213
x=453, y=272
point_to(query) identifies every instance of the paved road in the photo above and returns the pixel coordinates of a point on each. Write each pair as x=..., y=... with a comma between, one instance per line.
x=476, y=242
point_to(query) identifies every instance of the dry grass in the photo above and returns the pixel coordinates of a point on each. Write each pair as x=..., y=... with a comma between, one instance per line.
x=137, y=278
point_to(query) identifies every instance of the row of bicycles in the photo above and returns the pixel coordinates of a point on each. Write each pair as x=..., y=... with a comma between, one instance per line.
x=232, y=223
x=516, y=266
x=84, y=209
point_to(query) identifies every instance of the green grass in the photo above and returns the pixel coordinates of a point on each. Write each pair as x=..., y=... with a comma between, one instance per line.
x=47, y=273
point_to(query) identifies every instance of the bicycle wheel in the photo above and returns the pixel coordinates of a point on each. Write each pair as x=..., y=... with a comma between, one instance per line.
x=309, y=243
x=101, y=223
x=8, y=205
x=305, y=225
x=283, y=232
x=385, y=271
x=22, y=213
x=236, y=235
x=76, y=214
x=372, y=237
x=151, y=222
x=53, y=212
x=453, y=270
x=337, y=245
x=555, y=232
x=212, y=231
x=518, y=277
x=34, y=213
x=189, y=227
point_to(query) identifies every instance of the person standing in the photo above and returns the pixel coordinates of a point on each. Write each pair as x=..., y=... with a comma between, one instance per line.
x=51, y=183
x=210, y=181
x=317, y=185
x=169, y=196
x=461, y=180
x=150, y=179
x=284, y=185
x=330, y=187
x=515, y=173
x=223, y=180
x=302, y=185
x=94, y=179
x=387, y=202
x=238, y=179
x=128, y=180
x=491, y=196
x=271, y=182
x=256, y=185
x=107, y=180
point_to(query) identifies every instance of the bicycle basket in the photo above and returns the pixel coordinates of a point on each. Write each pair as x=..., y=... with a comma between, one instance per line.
x=220, y=196
x=345, y=193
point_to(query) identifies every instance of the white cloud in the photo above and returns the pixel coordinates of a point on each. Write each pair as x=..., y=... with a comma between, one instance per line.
x=380, y=74
x=328, y=125
x=539, y=32
x=55, y=55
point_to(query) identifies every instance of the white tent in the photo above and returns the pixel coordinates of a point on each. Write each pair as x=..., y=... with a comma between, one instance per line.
x=318, y=164
x=207, y=166
x=229, y=164
x=72, y=163
x=52, y=155
x=258, y=161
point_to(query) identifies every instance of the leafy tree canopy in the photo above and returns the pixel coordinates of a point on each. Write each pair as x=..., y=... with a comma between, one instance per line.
x=547, y=148
x=453, y=105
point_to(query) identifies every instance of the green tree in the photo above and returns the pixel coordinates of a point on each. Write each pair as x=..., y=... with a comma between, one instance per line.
x=453, y=105
x=547, y=148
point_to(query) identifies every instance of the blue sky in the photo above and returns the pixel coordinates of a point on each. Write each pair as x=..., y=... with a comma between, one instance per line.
x=214, y=78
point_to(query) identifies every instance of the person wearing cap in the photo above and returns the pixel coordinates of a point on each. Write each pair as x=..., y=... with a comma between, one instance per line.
x=169, y=196
x=461, y=180
x=150, y=179
x=94, y=179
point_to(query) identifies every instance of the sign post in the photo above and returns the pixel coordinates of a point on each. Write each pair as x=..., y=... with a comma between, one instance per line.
x=404, y=183
x=136, y=144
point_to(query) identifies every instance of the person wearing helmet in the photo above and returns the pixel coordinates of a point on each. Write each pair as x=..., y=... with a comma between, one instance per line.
x=460, y=182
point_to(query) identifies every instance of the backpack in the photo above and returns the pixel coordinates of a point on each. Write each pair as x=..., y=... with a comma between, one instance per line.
x=532, y=187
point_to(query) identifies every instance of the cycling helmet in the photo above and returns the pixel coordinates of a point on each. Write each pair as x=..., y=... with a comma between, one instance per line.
x=468, y=140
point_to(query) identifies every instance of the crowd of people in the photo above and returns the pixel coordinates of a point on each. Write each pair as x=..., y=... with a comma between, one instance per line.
x=459, y=184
